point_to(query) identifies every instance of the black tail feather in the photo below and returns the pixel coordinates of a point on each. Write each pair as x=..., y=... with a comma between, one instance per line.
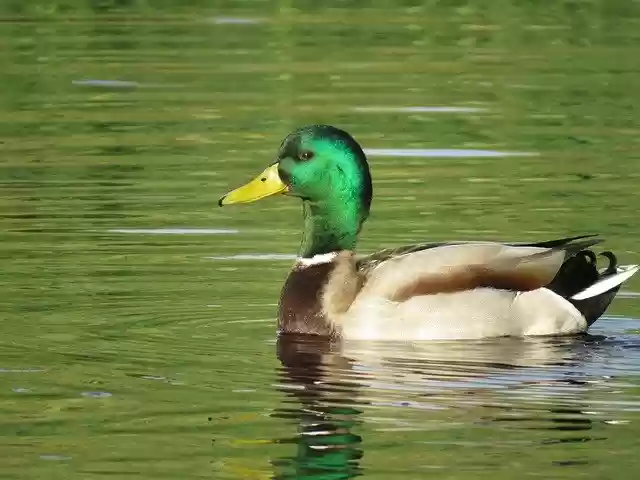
x=593, y=308
x=613, y=263
x=580, y=272
x=560, y=242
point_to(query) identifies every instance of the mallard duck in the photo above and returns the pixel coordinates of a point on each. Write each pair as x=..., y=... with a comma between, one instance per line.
x=448, y=290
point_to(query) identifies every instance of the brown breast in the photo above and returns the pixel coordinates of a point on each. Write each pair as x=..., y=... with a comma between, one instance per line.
x=300, y=309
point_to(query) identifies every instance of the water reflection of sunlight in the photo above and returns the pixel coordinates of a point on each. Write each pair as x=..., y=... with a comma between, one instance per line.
x=627, y=294
x=442, y=152
x=255, y=256
x=235, y=20
x=176, y=231
x=419, y=109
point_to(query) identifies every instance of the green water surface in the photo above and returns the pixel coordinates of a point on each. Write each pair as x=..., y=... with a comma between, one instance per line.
x=137, y=319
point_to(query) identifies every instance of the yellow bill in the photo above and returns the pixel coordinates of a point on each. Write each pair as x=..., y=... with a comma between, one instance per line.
x=264, y=185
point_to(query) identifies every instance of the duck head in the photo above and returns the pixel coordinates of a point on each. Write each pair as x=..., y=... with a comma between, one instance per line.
x=327, y=169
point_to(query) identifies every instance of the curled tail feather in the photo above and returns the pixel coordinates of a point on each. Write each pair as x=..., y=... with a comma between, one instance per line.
x=591, y=290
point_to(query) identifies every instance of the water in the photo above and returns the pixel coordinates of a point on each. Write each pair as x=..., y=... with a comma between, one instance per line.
x=137, y=319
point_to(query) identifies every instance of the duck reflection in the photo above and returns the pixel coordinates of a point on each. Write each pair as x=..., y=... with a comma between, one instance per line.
x=324, y=412
x=537, y=384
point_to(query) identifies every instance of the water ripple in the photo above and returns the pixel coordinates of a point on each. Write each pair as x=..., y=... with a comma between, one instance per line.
x=443, y=153
x=444, y=109
x=176, y=231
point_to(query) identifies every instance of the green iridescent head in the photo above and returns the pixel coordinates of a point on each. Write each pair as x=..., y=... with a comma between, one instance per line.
x=327, y=169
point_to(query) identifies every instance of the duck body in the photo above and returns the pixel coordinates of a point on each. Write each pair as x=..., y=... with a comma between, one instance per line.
x=449, y=291
x=483, y=313
x=431, y=291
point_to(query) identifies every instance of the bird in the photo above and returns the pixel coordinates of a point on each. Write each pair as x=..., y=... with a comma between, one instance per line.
x=452, y=290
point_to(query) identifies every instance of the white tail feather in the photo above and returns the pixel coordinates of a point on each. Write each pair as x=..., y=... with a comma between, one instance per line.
x=624, y=273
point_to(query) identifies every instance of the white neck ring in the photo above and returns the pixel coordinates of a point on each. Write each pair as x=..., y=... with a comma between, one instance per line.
x=316, y=259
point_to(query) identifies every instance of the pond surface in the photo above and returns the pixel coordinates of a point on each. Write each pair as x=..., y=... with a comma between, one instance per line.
x=137, y=319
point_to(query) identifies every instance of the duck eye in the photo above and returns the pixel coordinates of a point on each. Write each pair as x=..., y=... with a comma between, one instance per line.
x=306, y=155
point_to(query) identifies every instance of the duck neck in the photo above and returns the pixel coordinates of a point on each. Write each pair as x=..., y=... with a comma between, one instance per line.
x=329, y=226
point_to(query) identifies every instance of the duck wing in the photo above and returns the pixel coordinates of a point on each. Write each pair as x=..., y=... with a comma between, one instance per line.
x=399, y=274
x=571, y=244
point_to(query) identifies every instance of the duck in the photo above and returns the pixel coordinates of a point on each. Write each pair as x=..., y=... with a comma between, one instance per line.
x=451, y=290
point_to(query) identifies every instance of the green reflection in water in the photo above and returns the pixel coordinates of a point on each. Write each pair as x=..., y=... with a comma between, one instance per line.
x=326, y=448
